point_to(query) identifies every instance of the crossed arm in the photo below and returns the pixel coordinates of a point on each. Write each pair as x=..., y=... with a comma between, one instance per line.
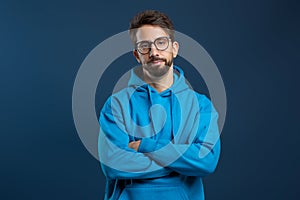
x=125, y=159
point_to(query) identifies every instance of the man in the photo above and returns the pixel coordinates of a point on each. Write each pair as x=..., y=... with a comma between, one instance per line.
x=158, y=137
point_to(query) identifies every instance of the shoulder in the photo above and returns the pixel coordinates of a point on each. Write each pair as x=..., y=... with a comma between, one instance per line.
x=204, y=102
x=119, y=97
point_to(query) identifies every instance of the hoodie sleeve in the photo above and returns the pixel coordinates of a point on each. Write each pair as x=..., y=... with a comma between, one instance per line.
x=196, y=158
x=118, y=161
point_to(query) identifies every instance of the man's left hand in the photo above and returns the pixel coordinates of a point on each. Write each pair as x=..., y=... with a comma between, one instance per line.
x=134, y=145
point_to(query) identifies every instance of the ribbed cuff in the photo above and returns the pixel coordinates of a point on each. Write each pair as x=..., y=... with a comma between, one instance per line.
x=147, y=145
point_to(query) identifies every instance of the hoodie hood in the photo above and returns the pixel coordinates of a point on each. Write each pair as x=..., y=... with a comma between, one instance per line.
x=178, y=85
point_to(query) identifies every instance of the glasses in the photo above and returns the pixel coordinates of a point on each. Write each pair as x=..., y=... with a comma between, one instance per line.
x=144, y=47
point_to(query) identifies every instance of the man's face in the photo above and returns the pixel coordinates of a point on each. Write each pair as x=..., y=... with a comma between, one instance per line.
x=156, y=62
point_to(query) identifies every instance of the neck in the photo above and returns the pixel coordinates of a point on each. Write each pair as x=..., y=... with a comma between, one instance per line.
x=159, y=83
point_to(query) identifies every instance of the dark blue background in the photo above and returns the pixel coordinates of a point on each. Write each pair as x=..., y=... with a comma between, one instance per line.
x=255, y=44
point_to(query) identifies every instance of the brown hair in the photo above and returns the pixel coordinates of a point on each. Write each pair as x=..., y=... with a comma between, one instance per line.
x=151, y=17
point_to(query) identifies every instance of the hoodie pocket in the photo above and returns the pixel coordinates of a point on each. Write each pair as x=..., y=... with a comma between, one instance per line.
x=154, y=193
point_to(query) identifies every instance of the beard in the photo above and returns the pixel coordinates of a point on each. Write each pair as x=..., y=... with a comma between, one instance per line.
x=158, y=70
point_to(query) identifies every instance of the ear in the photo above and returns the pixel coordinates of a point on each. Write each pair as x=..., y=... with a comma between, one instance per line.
x=175, y=48
x=136, y=55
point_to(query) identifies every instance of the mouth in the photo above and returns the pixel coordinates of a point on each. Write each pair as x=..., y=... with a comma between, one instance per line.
x=157, y=62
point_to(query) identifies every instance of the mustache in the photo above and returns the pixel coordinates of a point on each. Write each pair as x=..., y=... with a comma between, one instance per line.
x=155, y=58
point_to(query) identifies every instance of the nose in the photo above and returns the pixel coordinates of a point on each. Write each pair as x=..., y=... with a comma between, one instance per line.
x=153, y=51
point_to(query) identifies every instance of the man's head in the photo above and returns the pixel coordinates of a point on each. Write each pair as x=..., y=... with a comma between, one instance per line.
x=152, y=33
x=151, y=17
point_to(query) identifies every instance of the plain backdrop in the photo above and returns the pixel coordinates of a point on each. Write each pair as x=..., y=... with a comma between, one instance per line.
x=255, y=45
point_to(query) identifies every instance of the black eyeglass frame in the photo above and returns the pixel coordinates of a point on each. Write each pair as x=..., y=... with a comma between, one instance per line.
x=150, y=45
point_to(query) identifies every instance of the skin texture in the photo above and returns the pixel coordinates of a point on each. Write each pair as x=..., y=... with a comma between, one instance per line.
x=157, y=66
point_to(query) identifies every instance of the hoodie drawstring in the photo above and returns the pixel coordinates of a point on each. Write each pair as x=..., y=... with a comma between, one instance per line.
x=151, y=104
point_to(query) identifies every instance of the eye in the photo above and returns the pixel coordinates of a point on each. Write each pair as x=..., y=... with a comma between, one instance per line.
x=143, y=45
x=161, y=42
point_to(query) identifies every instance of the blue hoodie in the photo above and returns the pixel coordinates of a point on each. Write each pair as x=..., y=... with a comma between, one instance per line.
x=179, y=141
